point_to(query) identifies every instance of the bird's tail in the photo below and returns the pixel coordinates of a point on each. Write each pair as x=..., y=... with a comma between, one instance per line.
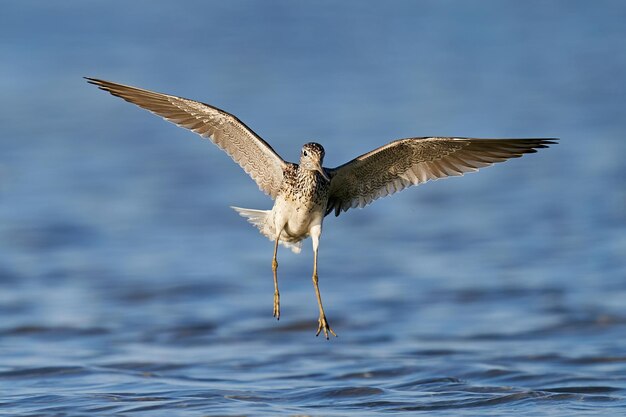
x=259, y=218
x=255, y=217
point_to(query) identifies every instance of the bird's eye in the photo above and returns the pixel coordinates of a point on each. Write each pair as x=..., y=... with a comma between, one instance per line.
x=304, y=153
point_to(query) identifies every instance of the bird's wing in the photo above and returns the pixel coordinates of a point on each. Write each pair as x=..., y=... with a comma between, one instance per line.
x=246, y=148
x=413, y=161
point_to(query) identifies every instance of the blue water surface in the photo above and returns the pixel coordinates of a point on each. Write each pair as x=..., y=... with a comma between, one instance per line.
x=128, y=285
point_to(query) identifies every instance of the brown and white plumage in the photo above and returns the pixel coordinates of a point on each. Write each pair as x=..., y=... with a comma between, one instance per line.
x=240, y=142
x=305, y=193
x=406, y=162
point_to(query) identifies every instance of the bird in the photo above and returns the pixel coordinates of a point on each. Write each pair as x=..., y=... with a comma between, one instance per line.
x=304, y=193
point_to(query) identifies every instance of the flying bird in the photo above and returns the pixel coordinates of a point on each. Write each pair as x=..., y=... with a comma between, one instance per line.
x=306, y=192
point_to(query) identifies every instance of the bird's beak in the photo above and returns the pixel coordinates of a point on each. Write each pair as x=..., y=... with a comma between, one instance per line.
x=323, y=173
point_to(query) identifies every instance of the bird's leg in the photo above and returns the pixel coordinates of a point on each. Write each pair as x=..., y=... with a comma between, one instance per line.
x=274, y=270
x=316, y=231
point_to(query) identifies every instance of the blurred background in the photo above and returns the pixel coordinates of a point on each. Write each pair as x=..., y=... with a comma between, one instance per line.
x=127, y=284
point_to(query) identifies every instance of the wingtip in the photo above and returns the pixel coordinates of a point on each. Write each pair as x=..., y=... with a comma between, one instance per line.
x=544, y=143
x=550, y=141
x=103, y=85
x=94, y=81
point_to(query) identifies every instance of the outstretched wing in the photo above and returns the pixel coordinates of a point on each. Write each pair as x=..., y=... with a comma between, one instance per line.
x=413, y=161
x=246, y=148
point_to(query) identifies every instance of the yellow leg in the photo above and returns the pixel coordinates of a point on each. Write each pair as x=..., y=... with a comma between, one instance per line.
x=322, y=322
x=274, y=270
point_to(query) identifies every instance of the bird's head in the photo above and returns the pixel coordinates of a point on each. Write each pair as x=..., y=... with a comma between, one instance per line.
x=312, y=157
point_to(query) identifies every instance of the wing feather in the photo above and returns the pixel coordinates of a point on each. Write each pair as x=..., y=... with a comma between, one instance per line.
x=245, y=147
x=406, y=162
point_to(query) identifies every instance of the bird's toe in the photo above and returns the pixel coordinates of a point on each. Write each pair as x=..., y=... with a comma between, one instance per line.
x=324, y=326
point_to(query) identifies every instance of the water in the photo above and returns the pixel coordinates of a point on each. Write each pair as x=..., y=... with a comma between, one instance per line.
x=128, y=286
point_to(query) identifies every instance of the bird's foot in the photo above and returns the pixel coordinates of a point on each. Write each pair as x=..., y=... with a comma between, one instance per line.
x=323, y=325
x=277, y=305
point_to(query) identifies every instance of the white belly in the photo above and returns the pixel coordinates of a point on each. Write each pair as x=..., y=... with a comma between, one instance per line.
x=296, y=219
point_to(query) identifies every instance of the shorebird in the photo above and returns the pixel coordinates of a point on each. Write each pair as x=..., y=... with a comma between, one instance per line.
x=306, y=192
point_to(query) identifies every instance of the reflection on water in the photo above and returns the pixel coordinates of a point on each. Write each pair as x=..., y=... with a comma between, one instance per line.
x=127, y=284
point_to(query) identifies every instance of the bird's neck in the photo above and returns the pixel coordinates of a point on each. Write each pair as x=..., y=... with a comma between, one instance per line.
x=310, y=175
